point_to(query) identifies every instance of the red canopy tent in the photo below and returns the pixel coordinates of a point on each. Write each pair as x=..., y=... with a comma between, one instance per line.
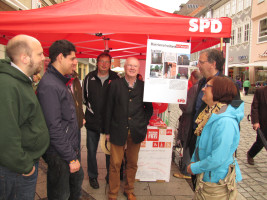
x=120, y=26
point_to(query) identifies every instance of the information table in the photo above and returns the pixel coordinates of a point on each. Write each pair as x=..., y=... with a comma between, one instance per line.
x=154, y=161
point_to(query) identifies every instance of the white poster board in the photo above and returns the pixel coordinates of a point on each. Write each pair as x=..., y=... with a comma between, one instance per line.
x=155, y=155
x=166, y=77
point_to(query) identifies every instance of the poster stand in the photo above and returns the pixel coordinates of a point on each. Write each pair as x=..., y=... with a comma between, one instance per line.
x=155, y=155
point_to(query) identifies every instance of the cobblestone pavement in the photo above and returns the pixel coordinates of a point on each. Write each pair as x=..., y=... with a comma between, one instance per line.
x=253, y=186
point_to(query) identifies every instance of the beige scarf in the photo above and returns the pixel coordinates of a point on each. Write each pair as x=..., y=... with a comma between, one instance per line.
x=204, y=116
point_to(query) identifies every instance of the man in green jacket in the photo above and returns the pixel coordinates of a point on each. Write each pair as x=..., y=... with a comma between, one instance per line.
x=23, y=134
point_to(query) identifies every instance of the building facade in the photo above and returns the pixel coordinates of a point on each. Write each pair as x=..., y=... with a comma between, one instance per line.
x=258, y=53
x=239, y=50
x=248, y=37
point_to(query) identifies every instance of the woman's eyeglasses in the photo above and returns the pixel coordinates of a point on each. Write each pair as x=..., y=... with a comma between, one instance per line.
x=207, y=85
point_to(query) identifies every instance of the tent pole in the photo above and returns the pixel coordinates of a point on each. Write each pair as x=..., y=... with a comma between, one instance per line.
x=226, y=58
x=222, y=45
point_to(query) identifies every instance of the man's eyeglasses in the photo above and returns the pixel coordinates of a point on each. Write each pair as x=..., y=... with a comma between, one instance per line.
x=104, y=62
x=202, y=62
x=129, y=65
x=207, y=85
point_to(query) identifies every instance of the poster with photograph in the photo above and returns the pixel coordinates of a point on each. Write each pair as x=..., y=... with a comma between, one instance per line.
x=155, y=155
x=167, y=66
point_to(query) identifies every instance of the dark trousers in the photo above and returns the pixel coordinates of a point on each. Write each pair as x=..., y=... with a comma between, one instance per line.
x=92, y=141
x=257, y=146
x=192, y=146
x=61, y=184
x=246, y=90
x=14, y=186
x=185, y=161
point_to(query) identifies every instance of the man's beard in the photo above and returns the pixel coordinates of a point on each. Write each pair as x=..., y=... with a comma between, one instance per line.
x=36, y=66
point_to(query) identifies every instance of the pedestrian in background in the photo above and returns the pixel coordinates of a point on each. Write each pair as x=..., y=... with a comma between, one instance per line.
x=35, y=81
x=75, y=86
x=259, y=120
x=246, y=86
x=127, y=117
x=217, y=140
x=239, y=82
x=64, y=174
x=95, y=87
x=24, y=135
x=194, y=78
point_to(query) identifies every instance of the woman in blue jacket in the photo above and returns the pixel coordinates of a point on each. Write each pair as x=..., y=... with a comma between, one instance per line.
x=217, y=131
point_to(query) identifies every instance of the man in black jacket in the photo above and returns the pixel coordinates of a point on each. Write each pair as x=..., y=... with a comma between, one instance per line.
x=94, y=97
x=210, y=64
x=65, y=174
x=259, y=120
x=127, y=117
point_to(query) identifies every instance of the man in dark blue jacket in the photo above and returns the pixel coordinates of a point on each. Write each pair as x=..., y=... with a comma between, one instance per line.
x=65, y=174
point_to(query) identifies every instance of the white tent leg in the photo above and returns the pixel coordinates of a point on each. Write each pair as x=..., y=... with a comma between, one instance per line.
x=226, y=58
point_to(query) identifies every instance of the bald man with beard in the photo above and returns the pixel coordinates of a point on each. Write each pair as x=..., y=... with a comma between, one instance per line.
x=23, y=134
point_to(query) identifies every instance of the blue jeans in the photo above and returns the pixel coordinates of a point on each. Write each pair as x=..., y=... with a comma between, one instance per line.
x=92, y=144
x=14, y=186
x=61, y=184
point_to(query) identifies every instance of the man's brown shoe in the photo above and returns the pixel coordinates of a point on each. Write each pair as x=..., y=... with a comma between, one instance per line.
x=130, y=196
x=250, y=159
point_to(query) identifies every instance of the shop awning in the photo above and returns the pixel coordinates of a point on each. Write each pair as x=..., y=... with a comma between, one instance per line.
x=253, y=64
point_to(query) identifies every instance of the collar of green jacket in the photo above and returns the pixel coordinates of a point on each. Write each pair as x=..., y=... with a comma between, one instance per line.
x=6, y=68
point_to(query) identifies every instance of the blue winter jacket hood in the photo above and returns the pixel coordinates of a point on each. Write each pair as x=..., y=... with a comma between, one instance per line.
x=217, y=143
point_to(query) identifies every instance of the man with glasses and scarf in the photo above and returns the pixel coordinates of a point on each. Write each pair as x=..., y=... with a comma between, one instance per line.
x=210, y=64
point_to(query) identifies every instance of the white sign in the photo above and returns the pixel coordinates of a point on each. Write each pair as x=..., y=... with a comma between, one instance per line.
x=166, y=78
x=214, y=25
x=155, y=155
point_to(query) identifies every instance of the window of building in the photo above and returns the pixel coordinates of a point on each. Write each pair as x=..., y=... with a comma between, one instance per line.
x=84, y=73
x=227, y=9
x=233, y=6
x=246, y=33
x=208, y=14
x=222, y=11
x=239, y=5
x=262, y=30
x=233, y=37
x=259, y=1
x=216, y=14
x=239, y=35
x=247, y=3
x=192, y=6
x=79, y=72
